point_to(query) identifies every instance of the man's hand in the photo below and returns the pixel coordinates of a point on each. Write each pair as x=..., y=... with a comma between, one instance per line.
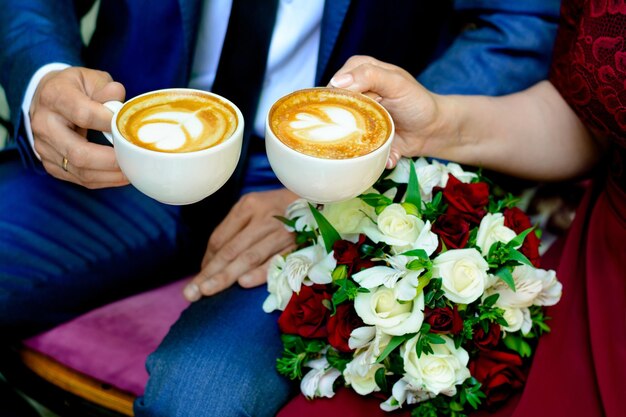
x=65, y=105
x=241, y=247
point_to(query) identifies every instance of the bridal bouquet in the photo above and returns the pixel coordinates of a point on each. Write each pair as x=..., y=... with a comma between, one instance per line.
x=425, y=291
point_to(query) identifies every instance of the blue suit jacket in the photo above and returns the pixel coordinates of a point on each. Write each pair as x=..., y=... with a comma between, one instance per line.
x=467, y=47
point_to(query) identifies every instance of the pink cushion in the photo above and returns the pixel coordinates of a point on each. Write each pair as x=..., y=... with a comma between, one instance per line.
x=112, y=342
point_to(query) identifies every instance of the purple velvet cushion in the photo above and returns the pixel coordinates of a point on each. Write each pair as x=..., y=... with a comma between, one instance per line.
x=112, y=342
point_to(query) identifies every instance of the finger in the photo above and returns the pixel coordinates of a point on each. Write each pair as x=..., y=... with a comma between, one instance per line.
x=249, y=260
x=82, y=111
x=52, y=129
x=258, y=275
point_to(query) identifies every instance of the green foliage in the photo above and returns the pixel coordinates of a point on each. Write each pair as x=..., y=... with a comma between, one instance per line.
x=432, y=210
x=433, y=294
x=296, y=352
x=346, y=290
x=338, y=360
x=393, y=344
x=413, y=195
x=328, y=232
x=516, y=343
x=426, y=339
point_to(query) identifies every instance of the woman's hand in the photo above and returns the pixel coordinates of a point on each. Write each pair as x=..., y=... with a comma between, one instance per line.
x=413, y=108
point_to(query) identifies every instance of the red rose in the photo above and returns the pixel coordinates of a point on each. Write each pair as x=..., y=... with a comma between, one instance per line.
x=347, y=253
x=341, y=325
x=305, y=314
x=499, y=373
x=518, y=221
x=487, y=340
x=452, y=230
x=444, y=320
x=465, y=200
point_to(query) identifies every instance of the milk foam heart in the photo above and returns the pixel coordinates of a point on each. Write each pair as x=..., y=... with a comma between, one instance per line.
x=330, y=123
x=176, y=122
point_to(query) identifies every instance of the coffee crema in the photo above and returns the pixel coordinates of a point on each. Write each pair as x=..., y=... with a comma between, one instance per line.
x=330, y=123
x=177, y=121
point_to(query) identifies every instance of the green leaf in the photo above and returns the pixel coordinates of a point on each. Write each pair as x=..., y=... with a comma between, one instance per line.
x=519, y=257
x=328, y=232
x=413, y=195
x=420, y=253
x=287, y=222
x=394, y=343
x=375, y=200
x=519, y=239
x=340, y=272
x=410, y=209
x=516, y=343
x=381, y=379
x=491, y=300
x=505, y=275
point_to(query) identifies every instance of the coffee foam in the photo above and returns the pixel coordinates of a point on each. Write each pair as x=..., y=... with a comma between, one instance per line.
x=177, y=121
x=332, y=124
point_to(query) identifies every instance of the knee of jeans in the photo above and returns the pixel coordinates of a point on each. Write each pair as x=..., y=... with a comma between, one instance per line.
x=184, y=382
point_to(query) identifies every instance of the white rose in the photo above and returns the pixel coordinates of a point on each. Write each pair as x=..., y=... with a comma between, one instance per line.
x=517, y=319
x=463, y=274
x=380, y=308
x=348, y=217
x=491, y=230
x=438, y=372
x=361, y=374
x=300, y=212
x=318, y=382
x=277, y=286
x=401, y=230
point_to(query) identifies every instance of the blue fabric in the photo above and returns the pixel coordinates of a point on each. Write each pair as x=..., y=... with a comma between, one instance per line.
x=219, y=359
x=65, y=249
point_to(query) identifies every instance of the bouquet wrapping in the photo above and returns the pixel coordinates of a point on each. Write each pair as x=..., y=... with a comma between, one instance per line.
x=425, y=291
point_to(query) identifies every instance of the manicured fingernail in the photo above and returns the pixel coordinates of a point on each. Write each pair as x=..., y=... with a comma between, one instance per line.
x=192, y=292
x=208, y=287
x=342, y=80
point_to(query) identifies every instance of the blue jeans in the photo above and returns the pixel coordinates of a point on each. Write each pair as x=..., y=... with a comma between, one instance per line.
x=219, y=359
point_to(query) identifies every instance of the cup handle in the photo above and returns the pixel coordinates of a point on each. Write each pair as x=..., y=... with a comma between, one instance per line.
x=113, y=106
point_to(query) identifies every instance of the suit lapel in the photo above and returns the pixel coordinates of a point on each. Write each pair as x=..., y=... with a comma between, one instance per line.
x=190, y=11
x=332, y=20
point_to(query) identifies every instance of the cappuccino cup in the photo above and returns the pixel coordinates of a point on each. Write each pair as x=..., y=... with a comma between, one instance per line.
x=328, y=144
x=178, y=145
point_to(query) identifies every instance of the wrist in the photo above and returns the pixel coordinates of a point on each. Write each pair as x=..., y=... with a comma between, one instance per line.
x=443, y=134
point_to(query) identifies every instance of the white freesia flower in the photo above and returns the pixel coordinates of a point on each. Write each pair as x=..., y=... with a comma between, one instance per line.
x=309, y=265
x=491, y=230
x=517, y=319
x=380, y=308
x=300, y=211
x=527, y=289
x=348, y=217
x=360, y=374
x=463, y=274
x=378, y=275
x=551, y=288
x=438, y=372
x=406, y=289
x=431, y=175
x=402, y=392
x=277, y=286
x=361, y=336
x=318, y=382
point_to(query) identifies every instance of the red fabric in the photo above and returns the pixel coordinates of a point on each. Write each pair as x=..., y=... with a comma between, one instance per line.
x=579, y=368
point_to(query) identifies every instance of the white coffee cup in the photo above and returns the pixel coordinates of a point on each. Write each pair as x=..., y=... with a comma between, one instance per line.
x=176, y=178
x=324, y=180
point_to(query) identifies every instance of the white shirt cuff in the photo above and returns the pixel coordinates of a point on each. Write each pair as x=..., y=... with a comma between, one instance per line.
x=28, y=98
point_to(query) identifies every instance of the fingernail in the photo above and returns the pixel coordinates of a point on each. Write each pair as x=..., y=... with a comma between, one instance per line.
x=208, y=287
x=192, y=292
x=245, y=280
x=342, y=80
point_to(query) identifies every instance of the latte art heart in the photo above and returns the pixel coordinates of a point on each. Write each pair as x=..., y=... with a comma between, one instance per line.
x=177, y=122
x=325, y=124
x=330, y=124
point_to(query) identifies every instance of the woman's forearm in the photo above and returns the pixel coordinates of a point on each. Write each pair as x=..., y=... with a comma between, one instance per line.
x=532, y=134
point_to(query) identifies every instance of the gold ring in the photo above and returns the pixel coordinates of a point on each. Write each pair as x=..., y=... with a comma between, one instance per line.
x=64, y=164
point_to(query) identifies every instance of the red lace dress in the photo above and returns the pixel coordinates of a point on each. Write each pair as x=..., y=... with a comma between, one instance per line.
x=579, y=368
